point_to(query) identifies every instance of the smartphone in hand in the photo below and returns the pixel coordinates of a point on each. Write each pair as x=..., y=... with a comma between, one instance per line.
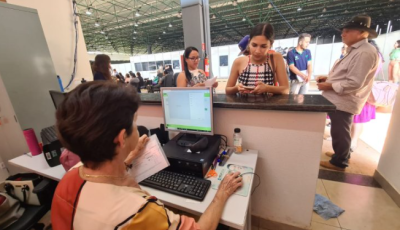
x=249, y=87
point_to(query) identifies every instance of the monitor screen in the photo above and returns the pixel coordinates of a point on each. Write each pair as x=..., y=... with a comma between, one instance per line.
x=57, y=97
x=188, y=110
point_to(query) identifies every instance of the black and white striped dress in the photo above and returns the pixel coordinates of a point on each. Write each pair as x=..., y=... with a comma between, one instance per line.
x=254, y=73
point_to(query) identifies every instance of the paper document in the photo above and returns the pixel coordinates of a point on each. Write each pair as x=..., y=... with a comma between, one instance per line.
x=246, y=178
x=150, y=161
x=210, y=82
x=300, y=78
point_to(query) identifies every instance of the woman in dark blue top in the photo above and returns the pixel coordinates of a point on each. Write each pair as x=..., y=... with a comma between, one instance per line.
x=102, y=67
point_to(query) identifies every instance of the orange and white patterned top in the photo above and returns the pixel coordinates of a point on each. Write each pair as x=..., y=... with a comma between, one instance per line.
x=80, y=204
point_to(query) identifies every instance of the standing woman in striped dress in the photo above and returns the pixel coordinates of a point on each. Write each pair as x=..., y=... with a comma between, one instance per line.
x=259, y=72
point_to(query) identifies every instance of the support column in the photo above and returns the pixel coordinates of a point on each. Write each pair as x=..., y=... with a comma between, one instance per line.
x=196, y=27
x=149, y=49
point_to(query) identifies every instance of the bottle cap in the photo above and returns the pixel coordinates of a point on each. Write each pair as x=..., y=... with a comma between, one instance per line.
x=237, y=130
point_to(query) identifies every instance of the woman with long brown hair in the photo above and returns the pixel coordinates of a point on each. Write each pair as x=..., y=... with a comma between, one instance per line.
x=102, y=67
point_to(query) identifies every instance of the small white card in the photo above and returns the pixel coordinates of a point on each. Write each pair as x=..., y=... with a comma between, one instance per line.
x=150, y=161
x=210, y=82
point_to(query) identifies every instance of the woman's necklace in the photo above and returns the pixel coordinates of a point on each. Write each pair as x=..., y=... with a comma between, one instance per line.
x=103, y=176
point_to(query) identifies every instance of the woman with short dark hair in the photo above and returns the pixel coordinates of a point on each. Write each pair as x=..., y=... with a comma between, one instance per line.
x=102, y=67
x=97, y=121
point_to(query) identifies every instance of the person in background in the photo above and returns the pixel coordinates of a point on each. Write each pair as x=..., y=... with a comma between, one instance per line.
x=244, y=46
x=158, y=77
x=127, y=78
x=300, y=65
x=368, y=111
x=120, y=78
x=168, y=79
x=115, y=72
x=259, y=72
x=141, y=81
x=102, y=68
x=192, y=76
x=134, y=80
x=394, y=65
x=101, y=193
x=348, y=86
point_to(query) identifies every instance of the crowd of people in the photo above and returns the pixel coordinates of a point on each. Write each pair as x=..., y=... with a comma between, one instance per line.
x=105, y=135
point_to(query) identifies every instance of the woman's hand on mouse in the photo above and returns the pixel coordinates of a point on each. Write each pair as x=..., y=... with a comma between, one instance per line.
x=229, y=184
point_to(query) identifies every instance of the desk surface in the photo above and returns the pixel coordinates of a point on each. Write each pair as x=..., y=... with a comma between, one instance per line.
x=38, y=164
x=235, y=211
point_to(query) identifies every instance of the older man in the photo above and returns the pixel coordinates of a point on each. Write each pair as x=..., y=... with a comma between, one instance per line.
x=348, y=86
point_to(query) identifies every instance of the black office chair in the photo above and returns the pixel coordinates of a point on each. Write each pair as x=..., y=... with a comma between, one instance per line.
x=32, y=214
x=176, y=79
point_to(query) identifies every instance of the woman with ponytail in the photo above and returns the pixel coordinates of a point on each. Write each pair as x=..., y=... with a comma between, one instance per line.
x=192, y=76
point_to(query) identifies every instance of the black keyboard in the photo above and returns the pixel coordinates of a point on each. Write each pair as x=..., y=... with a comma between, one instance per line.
x=179, y=184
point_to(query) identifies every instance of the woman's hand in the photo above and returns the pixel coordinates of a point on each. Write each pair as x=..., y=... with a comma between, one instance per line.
x=260, y=88
x=229, y=185
x=138, y=149
x=199, y=85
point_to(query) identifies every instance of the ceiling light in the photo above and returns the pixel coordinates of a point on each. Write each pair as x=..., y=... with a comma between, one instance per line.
x=137, y=14
x=134, y=38
x=226, y=26
x=213, y=17
x=346, y=11
x=134, y=32
x=136, y=24
x=299, y=9
x=170, y=25
x=97, y=24
x=102, y=32
x=234, y=3
x=89, y=11
x=159, y=38
x=244, y=19
x=179, y=15
x=324, y=10
x=269, y=6
x=106, y=37
x=163, y=32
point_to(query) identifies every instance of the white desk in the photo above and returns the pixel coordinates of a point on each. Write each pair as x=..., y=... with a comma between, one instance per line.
x=237, y=211
x=38, y=164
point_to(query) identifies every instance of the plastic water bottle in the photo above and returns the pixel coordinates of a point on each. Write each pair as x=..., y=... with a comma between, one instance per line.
x=237, y=141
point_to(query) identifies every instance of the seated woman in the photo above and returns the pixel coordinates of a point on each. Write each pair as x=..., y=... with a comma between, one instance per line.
x=97, y=121
x=192, y=76
x=259, y=72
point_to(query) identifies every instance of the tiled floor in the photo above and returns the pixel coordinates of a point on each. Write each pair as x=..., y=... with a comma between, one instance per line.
x=366, y=208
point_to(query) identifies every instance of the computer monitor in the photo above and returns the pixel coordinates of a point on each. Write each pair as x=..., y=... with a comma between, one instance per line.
x=57, y=97
x=188, y=110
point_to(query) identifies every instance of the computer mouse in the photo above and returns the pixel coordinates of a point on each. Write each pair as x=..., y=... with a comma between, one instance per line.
x=200, y=145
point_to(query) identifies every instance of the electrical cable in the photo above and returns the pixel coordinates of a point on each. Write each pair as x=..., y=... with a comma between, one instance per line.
x=76, y=44
x=259, y=180
x=277, y=10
